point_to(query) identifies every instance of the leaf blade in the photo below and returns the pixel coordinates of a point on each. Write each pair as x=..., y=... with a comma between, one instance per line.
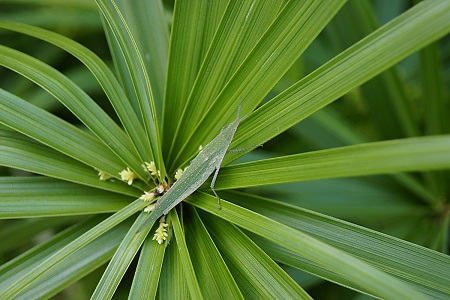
x=25, y=197
x=295, y=27
x=34, y=274
x=242, y=24
x=120, y=261
x=186, y=262
x=75, y=100
x=56, y=133
x=89, y=258
x=429, y=20
x=425, y=268
x=412, y=154
x=138, y=75
x=20, y=152
x=105, y=77
x=375, y=281
x=253, y=269
x=215, y=279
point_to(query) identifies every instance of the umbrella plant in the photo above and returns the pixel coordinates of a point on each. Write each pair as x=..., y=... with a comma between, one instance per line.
x=336, y=181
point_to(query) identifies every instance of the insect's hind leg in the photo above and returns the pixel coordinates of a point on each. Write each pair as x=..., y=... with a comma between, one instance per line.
x=213, y=182
x=242, y=149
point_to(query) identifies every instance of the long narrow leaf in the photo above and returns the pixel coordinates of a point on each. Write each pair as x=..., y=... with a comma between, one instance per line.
x=217, y=281
x=194, y=25
x=148, y=270
x=434, y=90
x=427, y=22
x=186, y=262
x=292, y=31
x=413, y=154
x=20, y=152
x=172, y=284
x=386, y=95
x=76, y=265
x=56, y=133
x=34, y=274
x=104, y=76
x=434, y=101
x=241, y=26
x=252, y=268
x=11, y=271
x=150, y=29
x=428, y=270
x=121, y=260
x=17, y=233
x=138, y=75
x=77, y=101
x=32, y=196
x=372, y=279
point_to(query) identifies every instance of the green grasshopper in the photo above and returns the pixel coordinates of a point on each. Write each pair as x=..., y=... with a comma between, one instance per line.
x=202, y=166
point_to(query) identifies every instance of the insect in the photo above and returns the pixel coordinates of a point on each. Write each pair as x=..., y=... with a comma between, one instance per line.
x=202, y=166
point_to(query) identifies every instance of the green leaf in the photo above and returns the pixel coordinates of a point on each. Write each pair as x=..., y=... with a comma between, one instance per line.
x=56, y=133
x=172, y=284
x=382, y=201
x=329, y=124
x=194, y=24
x=138, y=75
x=14, y=269
x=428, y=270
x=75, y=266
x=257, y=274
x=85, y=4
x=336, y=131
x=412, y=154
x=102, y=73
x=52, y=16
x=34, y=274
x=433, y=100
x=385, y=96
x=186, y=262
x=146, y=277
x=367, y=277
x=23, y=197
x=215, y=280
x=294, y=28
x=17, y=233
x=77, y=101
x=20, y=152
x=434, y=90
x=426, y=22
x=121, y=260
x=242, y=24
x=150, y=29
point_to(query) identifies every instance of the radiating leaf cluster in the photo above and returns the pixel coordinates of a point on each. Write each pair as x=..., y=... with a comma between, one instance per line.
x=176, y=77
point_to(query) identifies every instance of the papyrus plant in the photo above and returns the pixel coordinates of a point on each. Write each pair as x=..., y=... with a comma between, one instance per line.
x=173, y=86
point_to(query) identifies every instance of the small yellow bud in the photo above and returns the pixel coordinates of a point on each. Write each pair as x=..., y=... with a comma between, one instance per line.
x=178, y=174
x=147, y=196
x=160, y=189
x=150, y=208
x=200, y=148
x=104, y=176
x=161, y=233
x=150, y=167
x=127, y=175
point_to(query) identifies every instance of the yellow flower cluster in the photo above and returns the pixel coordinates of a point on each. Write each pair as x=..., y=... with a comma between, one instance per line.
x=161, y=233
x=127, y=175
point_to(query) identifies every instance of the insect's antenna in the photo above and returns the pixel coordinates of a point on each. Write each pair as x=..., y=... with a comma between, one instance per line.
x=239, y=112
x=239, y=107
